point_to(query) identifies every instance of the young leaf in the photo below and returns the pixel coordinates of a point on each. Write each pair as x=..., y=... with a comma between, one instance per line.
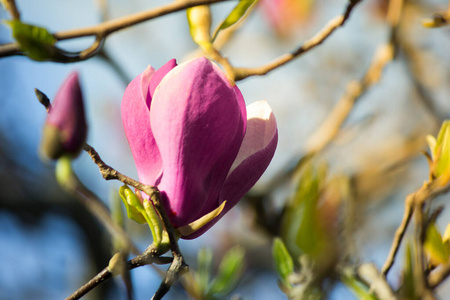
x=443, y=150
x=284, y=263
x=435, y=247
x=129, y=199
x=230, y=269
x=235, y=15
x=35, y=41
x=203, y=274
x=361, y=291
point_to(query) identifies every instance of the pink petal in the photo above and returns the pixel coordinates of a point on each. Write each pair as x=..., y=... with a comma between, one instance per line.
x=198, y=126
x=255, y=154
x=159, y=75
x=136, y=122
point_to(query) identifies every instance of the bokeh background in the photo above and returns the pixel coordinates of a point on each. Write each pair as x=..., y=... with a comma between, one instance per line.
x=49, y=245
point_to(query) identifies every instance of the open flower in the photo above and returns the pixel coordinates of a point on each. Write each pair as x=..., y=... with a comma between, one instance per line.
x=65, y=129
x=192, y=136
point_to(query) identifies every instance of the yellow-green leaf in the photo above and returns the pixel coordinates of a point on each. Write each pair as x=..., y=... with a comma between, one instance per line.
x=442, y=166
x=235, y=15
x=35, y=41
x=284, y=263
x=435, y=247
x=132, y=204
x=229, y=272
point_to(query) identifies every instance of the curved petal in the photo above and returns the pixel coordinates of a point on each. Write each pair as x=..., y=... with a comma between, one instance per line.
x=159, y=75
x=136, y=122
x=198, y=127
x=255, y=154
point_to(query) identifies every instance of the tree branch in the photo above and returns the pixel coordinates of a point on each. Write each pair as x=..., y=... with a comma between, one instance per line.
x=106, y=28
x=319, y=38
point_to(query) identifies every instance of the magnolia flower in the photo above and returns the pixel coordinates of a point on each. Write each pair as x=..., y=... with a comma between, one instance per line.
x=192, y=136
x=65, y=129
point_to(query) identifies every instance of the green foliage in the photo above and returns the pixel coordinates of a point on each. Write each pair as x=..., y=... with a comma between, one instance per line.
x=302, y=230
x=36, y=42
x=408, y=290
x=440, y=153
x=361, y=291
x=132, y=204
x=201, y=284
x=284, y=263
x=235, y=15
x=229, y=272
x=142, y=211
x=437, y=250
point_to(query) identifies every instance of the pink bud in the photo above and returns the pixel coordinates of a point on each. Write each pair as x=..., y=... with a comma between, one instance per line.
x=189, y=135
x=65, y=129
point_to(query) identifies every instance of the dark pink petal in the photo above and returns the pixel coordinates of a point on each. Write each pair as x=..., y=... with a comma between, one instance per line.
x=198, y=126
x=136, y=122
x=255, y=154
x=67, y=115
x=159, y=75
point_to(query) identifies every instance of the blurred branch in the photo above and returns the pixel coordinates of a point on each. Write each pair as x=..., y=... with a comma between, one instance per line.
x=376, y=281
x=438, y=276
x=413, y=204
x=102, y=30
x=98, y=209
x=319, y=38
x=10, y=5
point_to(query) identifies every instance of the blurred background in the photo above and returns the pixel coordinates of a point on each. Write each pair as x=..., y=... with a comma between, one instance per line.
x=50, y=245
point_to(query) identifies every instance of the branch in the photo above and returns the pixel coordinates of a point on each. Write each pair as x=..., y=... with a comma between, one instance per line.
x=106, y=28
x=319, y=38
x=413, y=202
x=178, y=266
x=150, y=256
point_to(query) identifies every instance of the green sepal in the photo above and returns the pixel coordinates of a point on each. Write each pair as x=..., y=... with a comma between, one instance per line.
x=63, y=171
x=235, y=15
x=132, y=204
x=35, y=41
x=284, y=264
x=229, y=272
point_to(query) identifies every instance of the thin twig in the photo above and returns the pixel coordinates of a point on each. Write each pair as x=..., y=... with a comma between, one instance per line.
x=319, y=38
x=428, y=191
x=399, y=233
x=12, y=8
x=150, y=256
x=106, y=28
x=438, y=276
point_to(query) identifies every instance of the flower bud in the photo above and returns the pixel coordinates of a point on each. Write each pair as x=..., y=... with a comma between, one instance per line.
x=65, y=129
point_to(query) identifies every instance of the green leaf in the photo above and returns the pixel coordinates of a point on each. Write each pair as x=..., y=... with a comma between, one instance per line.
x=229, y=272
x=284, y=263
x=35, y=41
x=132, y=204
x=361, y=291
x=435, y=247
x=235, y=15
x=302, y=230
x=203, y=274
x=408, y=286
x=443, y=150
